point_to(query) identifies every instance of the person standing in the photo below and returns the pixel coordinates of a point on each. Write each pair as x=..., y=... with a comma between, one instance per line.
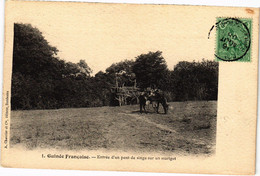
x=142, y=101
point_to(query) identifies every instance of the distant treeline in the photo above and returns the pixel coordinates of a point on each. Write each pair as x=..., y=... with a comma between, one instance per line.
x=41, y=80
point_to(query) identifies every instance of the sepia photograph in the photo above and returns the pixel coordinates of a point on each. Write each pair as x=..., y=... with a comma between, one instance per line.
x=83, y=95
x=129, y=87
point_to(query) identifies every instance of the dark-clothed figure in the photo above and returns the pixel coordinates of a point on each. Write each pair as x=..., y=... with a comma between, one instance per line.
x=161, y=99
x=142, y=101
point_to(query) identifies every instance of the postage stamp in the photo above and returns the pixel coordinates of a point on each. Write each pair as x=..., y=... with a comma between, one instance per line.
x=233, y=39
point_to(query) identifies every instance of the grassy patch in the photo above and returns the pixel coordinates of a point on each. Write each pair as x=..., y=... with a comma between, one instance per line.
x=188, y=128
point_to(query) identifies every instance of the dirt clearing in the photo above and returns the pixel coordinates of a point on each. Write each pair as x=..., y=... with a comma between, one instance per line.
x=188, y=128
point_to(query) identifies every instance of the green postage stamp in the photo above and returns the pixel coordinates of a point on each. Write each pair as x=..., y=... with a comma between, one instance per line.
x=233, y=39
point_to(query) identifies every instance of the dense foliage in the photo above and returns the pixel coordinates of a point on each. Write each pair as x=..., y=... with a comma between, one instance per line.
x=41, y=80
x=150, y=70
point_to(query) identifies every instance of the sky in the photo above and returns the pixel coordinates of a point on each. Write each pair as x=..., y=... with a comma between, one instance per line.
x=106, y=34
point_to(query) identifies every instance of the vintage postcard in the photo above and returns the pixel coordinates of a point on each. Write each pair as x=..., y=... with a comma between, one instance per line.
x=130, y=87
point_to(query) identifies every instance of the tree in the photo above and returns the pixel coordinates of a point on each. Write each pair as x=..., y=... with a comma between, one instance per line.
x=41, y=80
x=84, y=68
x=123, y=72
x=32, y=52
x=78, y=70
x=35, y=68
x=125, y=65
x=195, y=80
x=150, y=70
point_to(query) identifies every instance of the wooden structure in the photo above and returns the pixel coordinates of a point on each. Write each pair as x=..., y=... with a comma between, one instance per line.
x=125, y=94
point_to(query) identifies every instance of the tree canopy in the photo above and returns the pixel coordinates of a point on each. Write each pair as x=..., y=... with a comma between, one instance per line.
x=150, y=69
x=41, y=80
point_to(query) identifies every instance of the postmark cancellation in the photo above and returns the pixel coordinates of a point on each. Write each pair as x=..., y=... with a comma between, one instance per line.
x=233, y=39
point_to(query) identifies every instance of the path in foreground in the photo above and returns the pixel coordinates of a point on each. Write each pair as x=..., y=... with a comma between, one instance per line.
x=188, y=128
